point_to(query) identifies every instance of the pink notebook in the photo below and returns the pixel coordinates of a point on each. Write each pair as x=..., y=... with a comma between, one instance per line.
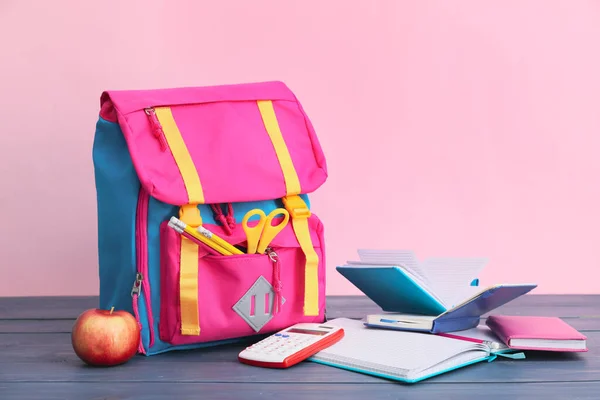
x=536, y=333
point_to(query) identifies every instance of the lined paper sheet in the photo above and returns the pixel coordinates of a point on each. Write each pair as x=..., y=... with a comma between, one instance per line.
x=447, y=278
x=389, y=257
x=403, y=354
x=403, y=258
x=451, y=277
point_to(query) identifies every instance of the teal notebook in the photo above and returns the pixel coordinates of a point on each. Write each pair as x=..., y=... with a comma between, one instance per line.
x=434, y=295
x=407, y=356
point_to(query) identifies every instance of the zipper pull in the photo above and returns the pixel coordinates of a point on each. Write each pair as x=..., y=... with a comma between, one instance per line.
x=137, y=285
x=276, y=279
x=135, y=293
x=157, y=130
x=272, y=255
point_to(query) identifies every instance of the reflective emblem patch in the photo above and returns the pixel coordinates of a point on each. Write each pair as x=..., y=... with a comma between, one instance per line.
x=256, y=305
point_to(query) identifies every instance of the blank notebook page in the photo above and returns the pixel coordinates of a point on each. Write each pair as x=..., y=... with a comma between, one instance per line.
x=398, y=353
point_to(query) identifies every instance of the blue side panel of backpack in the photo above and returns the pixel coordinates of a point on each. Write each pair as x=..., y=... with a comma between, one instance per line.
x=117, y=189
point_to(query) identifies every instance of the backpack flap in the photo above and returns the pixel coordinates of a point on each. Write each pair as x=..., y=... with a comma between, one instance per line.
x=221, y=144
x=224, y=144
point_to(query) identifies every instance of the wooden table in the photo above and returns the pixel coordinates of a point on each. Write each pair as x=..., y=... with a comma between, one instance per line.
x=37, y=362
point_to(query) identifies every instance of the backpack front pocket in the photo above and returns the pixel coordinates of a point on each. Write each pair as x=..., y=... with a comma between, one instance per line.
x=238, y=295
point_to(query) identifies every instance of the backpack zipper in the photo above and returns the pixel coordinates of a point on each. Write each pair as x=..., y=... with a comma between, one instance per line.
x=276, y=279
x=135, y=293
x=157, y=129
x=141, y=245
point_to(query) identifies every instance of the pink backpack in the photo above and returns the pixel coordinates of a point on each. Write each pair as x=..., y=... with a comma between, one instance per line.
x=177, y=172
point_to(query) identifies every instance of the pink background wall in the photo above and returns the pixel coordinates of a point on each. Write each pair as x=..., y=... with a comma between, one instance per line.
x=463, y=129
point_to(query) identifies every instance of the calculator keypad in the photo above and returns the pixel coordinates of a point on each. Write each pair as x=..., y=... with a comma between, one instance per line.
x=277, y=347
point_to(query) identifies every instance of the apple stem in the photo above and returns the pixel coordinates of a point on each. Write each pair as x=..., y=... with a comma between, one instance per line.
x=111, y=310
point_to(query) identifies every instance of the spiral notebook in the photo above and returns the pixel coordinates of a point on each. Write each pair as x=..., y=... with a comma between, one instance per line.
x=405, y=356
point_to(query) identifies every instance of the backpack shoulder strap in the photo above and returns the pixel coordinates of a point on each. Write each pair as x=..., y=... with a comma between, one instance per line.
x=189, y=214
x=299, y=212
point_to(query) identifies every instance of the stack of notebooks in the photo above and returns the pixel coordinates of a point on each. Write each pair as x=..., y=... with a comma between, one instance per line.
x=430, y=320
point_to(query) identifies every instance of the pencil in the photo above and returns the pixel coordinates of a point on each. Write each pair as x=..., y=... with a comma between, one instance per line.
x=199, y=243
x=182, y=227
x=227, y=246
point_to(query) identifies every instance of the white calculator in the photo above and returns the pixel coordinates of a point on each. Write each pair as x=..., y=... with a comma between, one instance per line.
x=291, y=345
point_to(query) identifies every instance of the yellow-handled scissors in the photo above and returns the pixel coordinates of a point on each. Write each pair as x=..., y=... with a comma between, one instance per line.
x=260, y=235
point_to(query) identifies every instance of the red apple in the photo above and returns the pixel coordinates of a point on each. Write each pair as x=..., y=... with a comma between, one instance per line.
x=105, y=337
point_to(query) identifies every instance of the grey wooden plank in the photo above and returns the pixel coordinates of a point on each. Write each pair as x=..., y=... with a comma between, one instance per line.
x=65, y=325
x=37, y=326
x=292, y=391
x=50, y=358
x=45, y=307
x=349, y=306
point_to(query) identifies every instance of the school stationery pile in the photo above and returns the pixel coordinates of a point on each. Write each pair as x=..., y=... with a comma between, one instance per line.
x=435, y=295
x=422, y=303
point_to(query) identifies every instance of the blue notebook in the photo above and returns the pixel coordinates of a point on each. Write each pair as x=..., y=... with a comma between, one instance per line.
x=407, y=356
x=436, y=295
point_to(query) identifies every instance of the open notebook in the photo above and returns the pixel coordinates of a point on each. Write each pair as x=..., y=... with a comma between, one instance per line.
x=405, y=356
x=434, y=295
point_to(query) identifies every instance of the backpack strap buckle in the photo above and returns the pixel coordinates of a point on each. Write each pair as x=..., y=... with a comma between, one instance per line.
x=190, y=214
x=296, y=207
